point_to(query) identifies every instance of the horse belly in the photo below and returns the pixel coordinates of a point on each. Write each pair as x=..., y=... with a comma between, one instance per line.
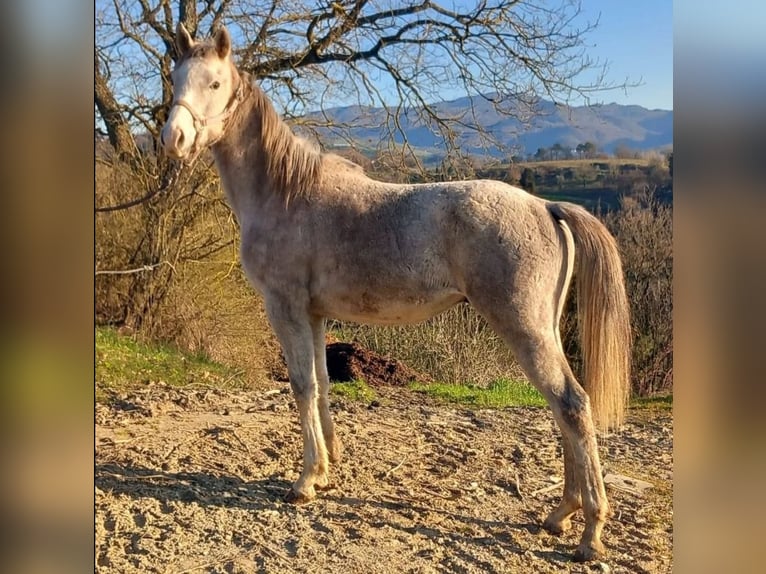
x=387, y=309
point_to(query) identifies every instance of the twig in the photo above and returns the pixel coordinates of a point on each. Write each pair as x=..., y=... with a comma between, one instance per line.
x=518, y=487
x=547, y=488
x=115, y=441
x=397, y=467
x=130, y=476
x=438, y=494
x=219, y=560
x=243, y=443
x=171, y=179
x=129, y=271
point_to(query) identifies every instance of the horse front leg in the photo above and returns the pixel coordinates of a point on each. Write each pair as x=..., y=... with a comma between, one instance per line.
x=320, y=365
x=294, y=331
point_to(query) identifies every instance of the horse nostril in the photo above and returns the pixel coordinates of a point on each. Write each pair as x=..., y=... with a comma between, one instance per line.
x=162, y=138
x=180, y=139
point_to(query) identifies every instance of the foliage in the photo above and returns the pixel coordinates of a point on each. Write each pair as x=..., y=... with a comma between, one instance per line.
x=168, y=270
x=643, y=227
x=358, y=391
x=663, y=402
x=166, y=249
x=622, y=151
x=207, y=306
x=138, y=249
x=497, y=394
x=644, y=231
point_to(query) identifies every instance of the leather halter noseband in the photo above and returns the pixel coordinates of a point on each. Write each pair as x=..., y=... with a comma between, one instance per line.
x=200, y=122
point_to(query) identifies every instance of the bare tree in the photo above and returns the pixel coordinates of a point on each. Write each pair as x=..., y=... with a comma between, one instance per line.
x=309, y=56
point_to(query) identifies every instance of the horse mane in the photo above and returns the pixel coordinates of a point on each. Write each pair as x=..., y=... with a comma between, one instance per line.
x=291, y=164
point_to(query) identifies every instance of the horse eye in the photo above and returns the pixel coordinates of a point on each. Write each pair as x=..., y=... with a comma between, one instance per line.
x=215, y=85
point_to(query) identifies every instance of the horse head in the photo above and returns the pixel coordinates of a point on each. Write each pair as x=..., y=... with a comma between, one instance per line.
x=206, y=90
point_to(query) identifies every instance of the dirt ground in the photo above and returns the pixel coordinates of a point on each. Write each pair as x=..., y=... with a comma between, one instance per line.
x=192, y=481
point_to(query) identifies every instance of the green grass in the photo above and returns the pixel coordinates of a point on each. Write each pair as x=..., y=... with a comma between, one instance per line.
x=358, y=391
x=498, y=394
x=124, y=363
x=660, y=402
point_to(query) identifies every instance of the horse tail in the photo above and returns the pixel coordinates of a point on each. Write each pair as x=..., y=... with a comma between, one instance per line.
x=603, y=313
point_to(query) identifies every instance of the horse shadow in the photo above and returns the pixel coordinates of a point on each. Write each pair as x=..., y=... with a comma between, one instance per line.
x=267, y=493
x=203, y=488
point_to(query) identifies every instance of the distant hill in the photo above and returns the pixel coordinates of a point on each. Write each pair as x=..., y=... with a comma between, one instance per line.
x=605, y=125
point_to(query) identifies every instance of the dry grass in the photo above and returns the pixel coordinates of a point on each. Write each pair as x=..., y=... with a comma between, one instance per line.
x=211, y=309
x=456, y=346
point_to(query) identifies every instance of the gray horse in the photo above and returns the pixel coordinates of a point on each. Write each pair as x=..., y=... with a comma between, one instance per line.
x=321, y=239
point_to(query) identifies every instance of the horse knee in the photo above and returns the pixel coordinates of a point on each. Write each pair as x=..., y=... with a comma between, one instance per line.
x=303, y=390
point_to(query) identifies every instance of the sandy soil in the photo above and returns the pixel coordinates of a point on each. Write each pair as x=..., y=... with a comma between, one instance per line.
x=192, y=481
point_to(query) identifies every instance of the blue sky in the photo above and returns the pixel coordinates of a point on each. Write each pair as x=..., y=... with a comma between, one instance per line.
x=636, y=37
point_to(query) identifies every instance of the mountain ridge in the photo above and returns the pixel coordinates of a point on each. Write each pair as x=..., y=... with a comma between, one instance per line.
x=606, y=125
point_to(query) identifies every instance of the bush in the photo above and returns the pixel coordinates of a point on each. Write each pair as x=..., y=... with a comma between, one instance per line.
x=192, y=293
x=644, y=230
x=527, y=180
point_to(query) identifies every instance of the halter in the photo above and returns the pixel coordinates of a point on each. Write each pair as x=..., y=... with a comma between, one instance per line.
x=200, y=123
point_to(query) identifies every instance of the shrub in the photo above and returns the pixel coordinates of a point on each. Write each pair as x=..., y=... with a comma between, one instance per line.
x=192, y=293
x=644, y=230
x=527, y=180
x=643, y=227
x=195, y=295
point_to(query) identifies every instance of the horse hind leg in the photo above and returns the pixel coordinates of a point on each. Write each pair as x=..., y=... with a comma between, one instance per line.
x=539, y=353
x=559, y=520
x=547, y=368
x=320, y=366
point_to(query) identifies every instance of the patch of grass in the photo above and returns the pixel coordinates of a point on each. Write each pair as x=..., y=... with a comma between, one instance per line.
x=124, y=363
x=358, y=391
x=659, y=402
x=498, y=394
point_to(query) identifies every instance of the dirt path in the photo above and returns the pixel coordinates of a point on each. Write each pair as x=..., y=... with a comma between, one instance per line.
x=192, y=481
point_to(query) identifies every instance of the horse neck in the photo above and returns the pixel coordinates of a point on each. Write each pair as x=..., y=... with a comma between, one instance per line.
x=259, y=158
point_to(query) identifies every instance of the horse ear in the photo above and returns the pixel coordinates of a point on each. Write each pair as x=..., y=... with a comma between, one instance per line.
x=222, y=42
x=184, y=41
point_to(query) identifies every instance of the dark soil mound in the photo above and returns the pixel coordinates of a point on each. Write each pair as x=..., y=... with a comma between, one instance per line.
x=352, y=362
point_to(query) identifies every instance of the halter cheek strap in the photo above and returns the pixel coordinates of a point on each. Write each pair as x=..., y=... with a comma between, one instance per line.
x=201, y=122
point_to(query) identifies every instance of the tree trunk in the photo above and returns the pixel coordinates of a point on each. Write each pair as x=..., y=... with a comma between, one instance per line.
x=117, y=128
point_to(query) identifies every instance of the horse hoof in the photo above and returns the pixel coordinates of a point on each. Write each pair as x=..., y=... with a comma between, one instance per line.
x=588, y=553
x=557, y=527
x=325, y=486
x=294, y=497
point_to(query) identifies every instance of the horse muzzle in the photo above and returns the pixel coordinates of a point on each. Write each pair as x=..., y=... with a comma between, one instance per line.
x=175, y=142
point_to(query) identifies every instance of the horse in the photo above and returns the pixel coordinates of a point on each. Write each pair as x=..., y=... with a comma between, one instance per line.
x=320, y=239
